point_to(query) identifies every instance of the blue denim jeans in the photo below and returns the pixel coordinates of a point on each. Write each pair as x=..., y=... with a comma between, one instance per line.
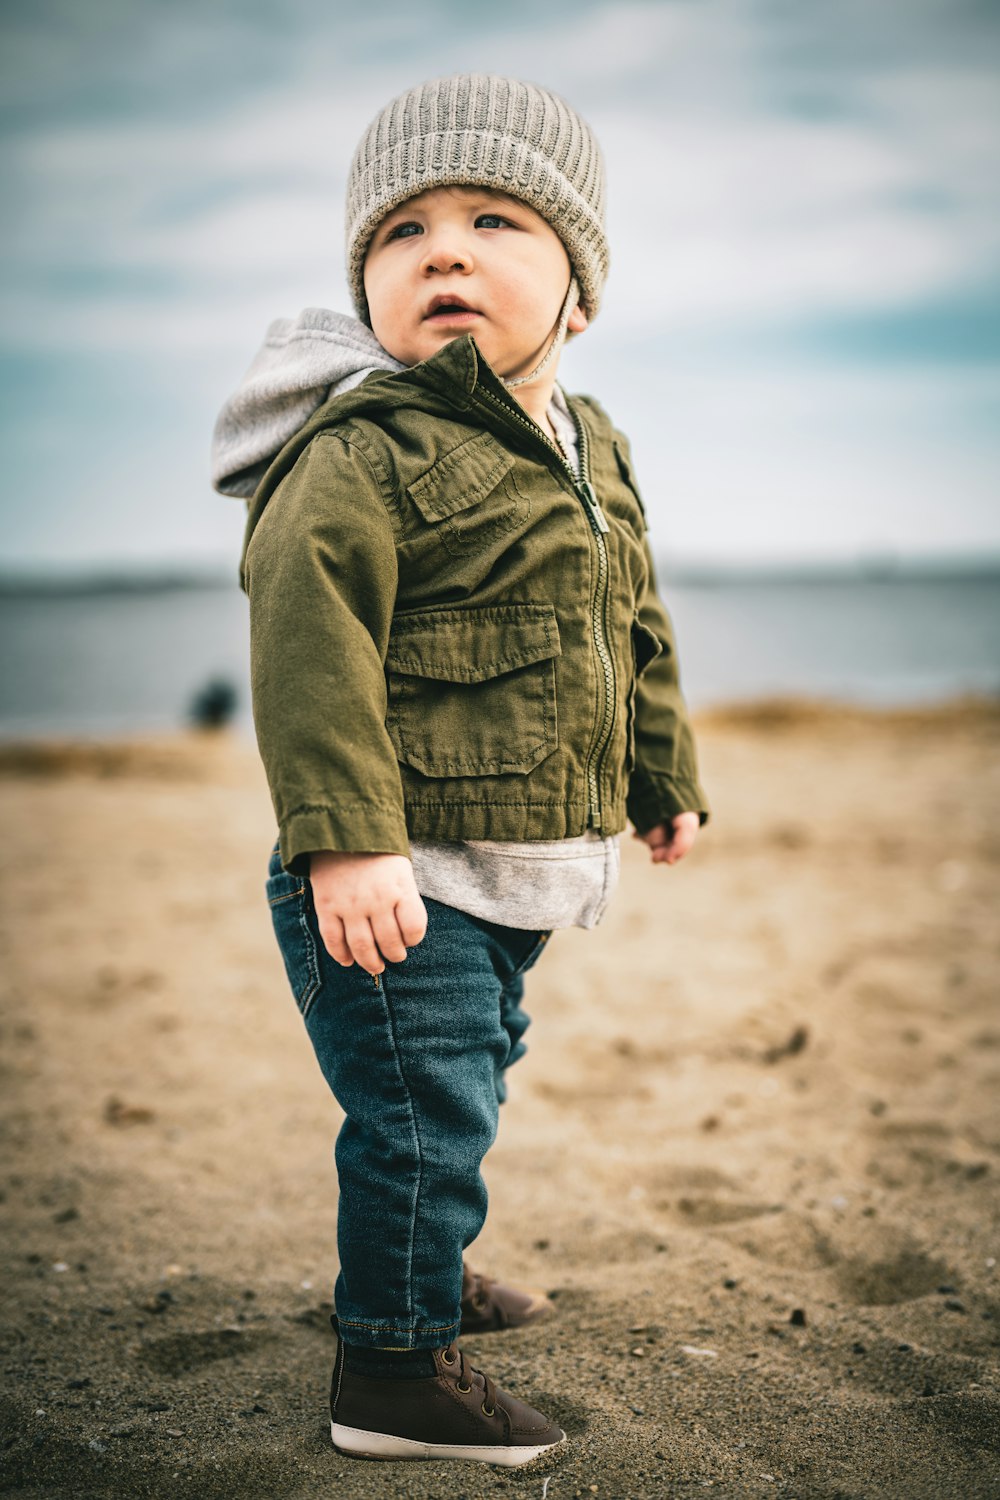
x=416, y=1058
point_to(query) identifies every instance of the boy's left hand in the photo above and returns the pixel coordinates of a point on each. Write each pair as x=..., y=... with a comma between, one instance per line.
x=669, y=842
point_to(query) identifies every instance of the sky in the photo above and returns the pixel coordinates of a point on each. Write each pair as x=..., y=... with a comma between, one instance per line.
x=800, y=332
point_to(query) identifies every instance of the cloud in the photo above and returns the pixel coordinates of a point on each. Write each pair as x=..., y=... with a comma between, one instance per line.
x=726, y=207
x=174, y=179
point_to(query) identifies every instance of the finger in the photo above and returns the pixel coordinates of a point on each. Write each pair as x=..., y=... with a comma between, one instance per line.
x=388, y=936
x=331, y=930
x=684, y=836
x=361, y=941
x=411, y=914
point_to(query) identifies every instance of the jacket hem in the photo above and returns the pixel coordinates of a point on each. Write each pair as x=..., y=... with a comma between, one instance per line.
x=505, y=822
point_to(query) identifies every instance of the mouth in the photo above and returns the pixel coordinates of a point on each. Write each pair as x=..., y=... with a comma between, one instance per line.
x=449, y=309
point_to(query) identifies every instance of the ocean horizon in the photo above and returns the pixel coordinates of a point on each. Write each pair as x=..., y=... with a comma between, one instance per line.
x=117, y=652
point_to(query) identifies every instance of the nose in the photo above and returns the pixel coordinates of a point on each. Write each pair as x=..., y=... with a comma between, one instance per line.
x=446, y=249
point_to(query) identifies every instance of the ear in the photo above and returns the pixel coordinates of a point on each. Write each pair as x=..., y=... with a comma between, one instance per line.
x=577, y=320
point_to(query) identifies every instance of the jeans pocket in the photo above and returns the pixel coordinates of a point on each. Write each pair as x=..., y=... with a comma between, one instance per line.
x=290, y=901
x=533, y=953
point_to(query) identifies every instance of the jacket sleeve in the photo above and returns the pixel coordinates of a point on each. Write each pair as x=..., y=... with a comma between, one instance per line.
x=321, y=577
x=664, y=780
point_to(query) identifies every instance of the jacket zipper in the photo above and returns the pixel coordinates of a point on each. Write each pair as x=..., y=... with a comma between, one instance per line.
x=599, y=526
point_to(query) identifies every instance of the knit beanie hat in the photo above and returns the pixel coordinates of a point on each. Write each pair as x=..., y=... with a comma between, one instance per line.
x=482, y=131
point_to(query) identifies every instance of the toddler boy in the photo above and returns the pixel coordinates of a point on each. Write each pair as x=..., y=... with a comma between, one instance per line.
x=463, y=683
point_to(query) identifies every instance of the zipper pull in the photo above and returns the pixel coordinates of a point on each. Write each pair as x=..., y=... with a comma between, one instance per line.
x=587, y=491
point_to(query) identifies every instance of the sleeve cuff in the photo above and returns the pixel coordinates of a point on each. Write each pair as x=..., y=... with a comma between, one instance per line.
x=657, y=799
x=355, y=828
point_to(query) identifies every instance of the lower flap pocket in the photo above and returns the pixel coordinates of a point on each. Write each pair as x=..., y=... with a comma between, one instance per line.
x=472, y=692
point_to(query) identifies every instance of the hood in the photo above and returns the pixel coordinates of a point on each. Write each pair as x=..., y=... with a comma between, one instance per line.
x=301, y=364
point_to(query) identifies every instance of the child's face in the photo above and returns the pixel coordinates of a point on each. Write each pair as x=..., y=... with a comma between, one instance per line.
x=457, y=260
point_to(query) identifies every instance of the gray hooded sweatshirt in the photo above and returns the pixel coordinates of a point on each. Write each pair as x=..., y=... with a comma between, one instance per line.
x=303, y=363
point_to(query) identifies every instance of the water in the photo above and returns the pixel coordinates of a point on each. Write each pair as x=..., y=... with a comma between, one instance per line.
x=106, y=663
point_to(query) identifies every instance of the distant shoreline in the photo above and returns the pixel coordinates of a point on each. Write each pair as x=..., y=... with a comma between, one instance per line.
x=186, y=750
x=686, y=574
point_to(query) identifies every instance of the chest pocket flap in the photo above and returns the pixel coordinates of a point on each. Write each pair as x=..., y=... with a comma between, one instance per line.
x=462, y=478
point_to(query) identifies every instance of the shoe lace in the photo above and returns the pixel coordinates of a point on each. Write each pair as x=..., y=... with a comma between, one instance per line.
x=468, y=1376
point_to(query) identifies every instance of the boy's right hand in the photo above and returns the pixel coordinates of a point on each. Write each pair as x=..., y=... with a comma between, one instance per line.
x=367, y=906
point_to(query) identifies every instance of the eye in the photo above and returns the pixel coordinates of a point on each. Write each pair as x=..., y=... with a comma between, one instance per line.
x=491, y=221
x=403, y=231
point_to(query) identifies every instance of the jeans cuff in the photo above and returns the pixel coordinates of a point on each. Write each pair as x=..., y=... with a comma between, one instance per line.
x=391, y=1336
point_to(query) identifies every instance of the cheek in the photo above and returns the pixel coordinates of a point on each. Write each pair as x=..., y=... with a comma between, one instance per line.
x=378, y=292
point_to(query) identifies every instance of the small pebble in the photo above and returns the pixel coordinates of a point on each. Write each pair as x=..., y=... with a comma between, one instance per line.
x=174, y=1432
x=798, y=1317
x=638, y=1352
x=60, y=1265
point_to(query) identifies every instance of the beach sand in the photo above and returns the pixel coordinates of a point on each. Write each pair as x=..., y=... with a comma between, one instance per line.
x=753, y=1151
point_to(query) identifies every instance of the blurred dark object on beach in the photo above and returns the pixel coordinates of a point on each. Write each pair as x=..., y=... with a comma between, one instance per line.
x=214, y=705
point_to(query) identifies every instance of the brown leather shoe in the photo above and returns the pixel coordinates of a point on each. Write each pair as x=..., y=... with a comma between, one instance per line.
x=488, y=1305
x=457, y=1413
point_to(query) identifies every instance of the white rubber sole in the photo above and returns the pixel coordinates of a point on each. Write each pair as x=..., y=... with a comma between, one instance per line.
x=359, y=1443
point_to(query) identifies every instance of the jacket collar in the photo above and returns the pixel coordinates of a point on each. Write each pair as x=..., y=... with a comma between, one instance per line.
x=459, y=363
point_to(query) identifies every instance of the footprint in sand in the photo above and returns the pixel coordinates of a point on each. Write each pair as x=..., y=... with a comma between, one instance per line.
x=702, y=1197
x=183, y=1352
x=871, y=1263
x=884, y=1264
x=927, y=1148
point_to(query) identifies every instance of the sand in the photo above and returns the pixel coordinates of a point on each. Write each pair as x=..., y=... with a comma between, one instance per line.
x=753, y=1151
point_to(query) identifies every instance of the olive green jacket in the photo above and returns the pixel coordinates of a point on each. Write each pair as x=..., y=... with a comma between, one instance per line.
x=451, y=637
